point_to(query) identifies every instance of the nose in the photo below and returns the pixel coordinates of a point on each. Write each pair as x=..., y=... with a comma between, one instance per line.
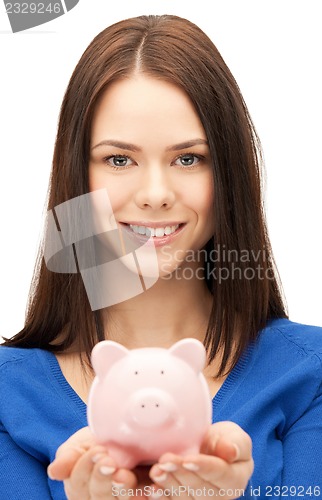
x=155, y=190
x=152, y=408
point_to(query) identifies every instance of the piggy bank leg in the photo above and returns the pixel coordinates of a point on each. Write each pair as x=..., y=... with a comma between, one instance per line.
x=123, y=457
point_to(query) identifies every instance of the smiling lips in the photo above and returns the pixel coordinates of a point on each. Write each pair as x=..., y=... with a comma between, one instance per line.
x=155, y=230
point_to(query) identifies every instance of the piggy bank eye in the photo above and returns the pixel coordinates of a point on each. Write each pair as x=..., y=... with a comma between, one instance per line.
x=162, y=372
x=136, y=373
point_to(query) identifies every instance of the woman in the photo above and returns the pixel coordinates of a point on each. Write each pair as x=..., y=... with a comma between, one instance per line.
x=153, y=117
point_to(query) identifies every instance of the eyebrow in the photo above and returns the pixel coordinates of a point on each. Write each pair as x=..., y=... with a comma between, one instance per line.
x=132, y=147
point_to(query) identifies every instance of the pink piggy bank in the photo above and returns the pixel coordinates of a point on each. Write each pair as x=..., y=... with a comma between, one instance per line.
x=145, y=402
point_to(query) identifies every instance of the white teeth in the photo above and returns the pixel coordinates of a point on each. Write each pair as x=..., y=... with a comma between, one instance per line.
x=155, y=232
x=159, y=231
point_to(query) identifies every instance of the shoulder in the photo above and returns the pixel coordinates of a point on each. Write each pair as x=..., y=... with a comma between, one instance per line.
x=26, y=378
x=284, y=369
x=18, y=364
x=288, y=349
x=293, y=338
x=22, y=378
x=10, y=356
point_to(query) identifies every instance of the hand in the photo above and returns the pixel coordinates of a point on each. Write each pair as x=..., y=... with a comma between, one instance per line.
x=225, y=463
x=89, y=473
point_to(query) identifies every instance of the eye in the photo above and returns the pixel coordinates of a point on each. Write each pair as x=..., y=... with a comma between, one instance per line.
x=187, y=160
x=136, y=373
x=162, y=372
x=118, y=161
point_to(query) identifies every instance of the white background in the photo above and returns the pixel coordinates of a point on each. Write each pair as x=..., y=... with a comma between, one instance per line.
x=273, y=48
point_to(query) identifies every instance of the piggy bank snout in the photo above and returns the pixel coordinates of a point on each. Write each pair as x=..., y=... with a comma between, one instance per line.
x=152, y=408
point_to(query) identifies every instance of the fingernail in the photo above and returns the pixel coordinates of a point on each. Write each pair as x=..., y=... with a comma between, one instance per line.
x=160, y=478
x=106, y=470
x=168, y=467
x=118, y=485
x=190, y=466
x=237, y=451
x=96, y=458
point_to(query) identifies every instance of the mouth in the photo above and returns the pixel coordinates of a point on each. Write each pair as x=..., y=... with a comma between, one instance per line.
x=160, y=233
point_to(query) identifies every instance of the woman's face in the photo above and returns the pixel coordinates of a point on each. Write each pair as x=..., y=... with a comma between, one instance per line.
x=149, y=151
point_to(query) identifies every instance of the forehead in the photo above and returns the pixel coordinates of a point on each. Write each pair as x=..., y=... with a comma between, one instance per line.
x=143, y=105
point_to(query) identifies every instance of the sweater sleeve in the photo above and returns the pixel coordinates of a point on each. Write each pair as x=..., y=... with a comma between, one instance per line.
x=302, y=445
x=22, y=476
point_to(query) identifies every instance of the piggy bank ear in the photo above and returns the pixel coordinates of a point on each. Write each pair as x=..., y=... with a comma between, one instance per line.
x=105, y=354
x=191, y=351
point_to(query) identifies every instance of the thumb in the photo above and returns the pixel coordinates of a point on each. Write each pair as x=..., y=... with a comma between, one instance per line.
x=228, y=441
x=63, y=464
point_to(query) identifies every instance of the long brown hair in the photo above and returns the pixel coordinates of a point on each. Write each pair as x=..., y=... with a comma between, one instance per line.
x=172, y=49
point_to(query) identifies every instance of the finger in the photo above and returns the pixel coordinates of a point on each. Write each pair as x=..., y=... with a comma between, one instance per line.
x=69, y=453
x=228, y=451
x=155, y=492
x=210, y=469
x=186, y=481
x=61, y=468
x=163, y=475
x=217, y=472
x=83, y=439
x=79, y=479
x=107, y=481
x=228, y=441
x=193, y=485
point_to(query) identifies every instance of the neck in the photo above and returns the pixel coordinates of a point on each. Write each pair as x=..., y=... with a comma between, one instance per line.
x=170, y=310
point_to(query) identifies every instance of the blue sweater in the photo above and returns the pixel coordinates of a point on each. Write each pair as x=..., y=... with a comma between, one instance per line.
x=274, y=393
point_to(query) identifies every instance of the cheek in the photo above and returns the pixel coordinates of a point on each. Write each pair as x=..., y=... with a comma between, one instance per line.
x=198, y=195
x=207, y=201
x=118, y=194
x=206, y=196
x=202, y=204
